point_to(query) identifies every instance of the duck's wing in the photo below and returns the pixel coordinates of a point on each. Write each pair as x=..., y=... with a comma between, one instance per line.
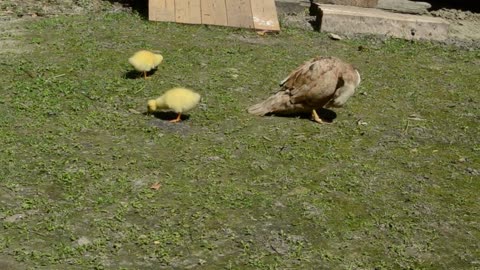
x=314, y=82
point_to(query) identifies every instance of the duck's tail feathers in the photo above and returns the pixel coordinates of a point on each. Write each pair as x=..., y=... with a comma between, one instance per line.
x=272, y=104
x=258, y=109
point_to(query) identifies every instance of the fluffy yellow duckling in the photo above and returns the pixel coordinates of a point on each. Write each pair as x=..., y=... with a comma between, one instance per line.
x=180, y=100
x=144, y=61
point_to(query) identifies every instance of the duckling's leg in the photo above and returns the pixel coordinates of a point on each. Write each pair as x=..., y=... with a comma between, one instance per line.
x=316, y=118
x=178, y=119
x=144, y=74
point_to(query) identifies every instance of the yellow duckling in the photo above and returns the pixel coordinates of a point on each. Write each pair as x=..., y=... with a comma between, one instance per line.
x=144, y=61
x=180, y=100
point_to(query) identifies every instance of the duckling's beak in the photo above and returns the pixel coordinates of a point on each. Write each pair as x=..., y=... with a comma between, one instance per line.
x=150, y=112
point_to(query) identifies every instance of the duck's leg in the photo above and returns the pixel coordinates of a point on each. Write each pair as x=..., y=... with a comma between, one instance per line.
x=316, y=118
x=144, y=74
x=178, y=119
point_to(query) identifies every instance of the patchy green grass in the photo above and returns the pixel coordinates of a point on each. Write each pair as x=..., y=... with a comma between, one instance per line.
x=393, y=183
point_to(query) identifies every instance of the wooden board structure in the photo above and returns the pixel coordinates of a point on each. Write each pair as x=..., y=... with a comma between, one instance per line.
x=256, y=14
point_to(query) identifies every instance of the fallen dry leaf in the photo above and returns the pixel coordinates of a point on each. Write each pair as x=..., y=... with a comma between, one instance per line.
x=262, y=32
x=335, y=36
x=134, y=111
x=361, y=123
x=156, y=186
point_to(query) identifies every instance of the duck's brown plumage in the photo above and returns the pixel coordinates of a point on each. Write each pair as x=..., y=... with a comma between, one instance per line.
x=319, y=82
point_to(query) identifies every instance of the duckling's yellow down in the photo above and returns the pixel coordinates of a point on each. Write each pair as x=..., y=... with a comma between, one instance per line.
x=179, y=100
x=144, y=61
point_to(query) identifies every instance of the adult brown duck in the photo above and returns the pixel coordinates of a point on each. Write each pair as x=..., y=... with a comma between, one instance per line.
x=320, y=82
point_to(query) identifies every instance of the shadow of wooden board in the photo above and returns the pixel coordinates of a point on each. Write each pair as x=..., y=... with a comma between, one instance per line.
x=255, y=14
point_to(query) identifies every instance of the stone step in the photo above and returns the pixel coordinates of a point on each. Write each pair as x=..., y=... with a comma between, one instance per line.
x=404, y=6
x=357, y=3
x=357, y=20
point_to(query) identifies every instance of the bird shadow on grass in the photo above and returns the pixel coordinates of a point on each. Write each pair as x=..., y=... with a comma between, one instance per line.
x=133, y=74
x=325, y=114
x=161, y=122
x=167, y=115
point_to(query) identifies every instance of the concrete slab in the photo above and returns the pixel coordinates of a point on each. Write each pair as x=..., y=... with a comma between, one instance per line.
x=356, y=20
x=404, y=6
x=356, y=3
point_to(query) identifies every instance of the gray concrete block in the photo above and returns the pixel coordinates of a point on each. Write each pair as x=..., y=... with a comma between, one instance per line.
x=404, y=6
x=356, y=20
x=357, y=3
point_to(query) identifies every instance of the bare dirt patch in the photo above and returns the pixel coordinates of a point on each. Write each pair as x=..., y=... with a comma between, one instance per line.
x=11, y=35
x=14, y=13
x=464, y=25
x=33, y=8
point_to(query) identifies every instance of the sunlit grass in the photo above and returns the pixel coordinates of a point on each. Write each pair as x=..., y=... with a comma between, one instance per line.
x=391, y=184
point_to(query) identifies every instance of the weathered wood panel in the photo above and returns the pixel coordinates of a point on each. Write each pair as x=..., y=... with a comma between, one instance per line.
x=264, y=15
x=214, y=12
x=257, y=14
x=188, y=11
x=161, y=10
x=239, y=13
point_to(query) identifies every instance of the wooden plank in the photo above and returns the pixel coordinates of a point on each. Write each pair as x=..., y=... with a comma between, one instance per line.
x=188, y=11
x=239, y=13
x=258, y=14
x=264, y=15
x=214, y=12
x=161, y=10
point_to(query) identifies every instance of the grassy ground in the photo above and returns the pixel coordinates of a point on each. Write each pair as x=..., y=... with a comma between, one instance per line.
x=393, y=183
